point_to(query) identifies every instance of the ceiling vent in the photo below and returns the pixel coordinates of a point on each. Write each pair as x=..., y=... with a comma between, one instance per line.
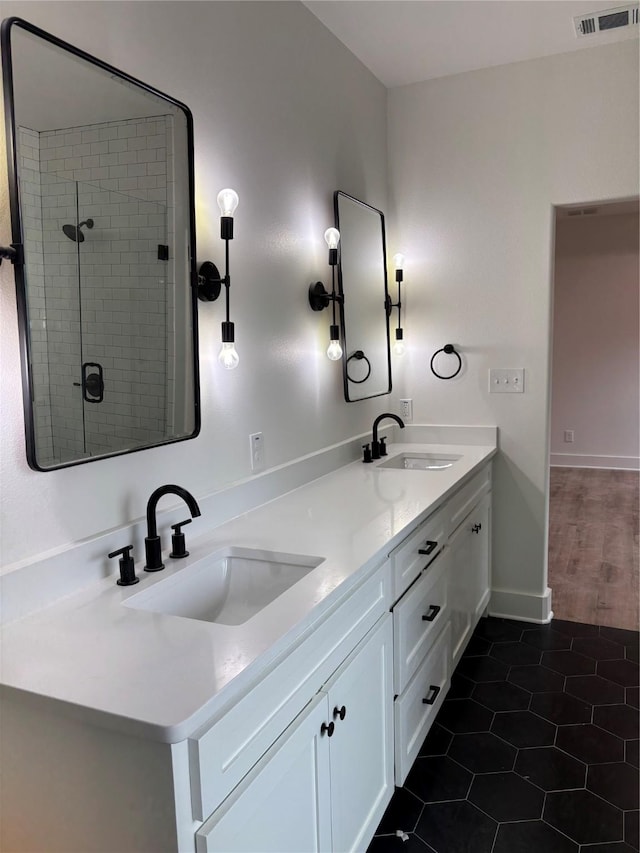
x=610, y=19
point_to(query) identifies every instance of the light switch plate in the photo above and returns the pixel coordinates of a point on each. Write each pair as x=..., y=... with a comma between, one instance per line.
x=256, y=443
x=506, y=380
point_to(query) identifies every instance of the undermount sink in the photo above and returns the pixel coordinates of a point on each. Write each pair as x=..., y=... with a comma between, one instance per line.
x=421, y=461
x=228, y=588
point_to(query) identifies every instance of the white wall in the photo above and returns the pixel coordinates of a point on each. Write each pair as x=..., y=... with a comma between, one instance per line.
x=476, y=162
x=285, y=115
x=596, y=357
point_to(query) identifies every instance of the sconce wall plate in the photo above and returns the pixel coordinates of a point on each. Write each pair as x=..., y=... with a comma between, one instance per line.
x=209, y=282
x=319, y=297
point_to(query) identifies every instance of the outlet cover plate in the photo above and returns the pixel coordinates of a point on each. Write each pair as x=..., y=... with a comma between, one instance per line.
x=406, y=410
x=506, y=380
x=256, y=443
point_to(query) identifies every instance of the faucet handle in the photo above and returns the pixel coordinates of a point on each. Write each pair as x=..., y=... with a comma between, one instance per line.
x=127, y=566
x=366, y=456
x=383, y=446
x=178, y=542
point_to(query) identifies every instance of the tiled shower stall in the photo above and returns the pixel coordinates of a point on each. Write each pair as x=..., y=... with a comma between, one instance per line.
x=107, y=299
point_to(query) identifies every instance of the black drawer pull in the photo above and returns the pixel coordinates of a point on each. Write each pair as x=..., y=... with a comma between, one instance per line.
x=434, y=609
x=476, y=528
x=429, y=700
x=431, y=547
x=339, y=712
x=328, y=729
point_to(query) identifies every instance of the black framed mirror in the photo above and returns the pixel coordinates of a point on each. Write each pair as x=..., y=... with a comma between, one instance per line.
x=362, y=276
x=101, y=190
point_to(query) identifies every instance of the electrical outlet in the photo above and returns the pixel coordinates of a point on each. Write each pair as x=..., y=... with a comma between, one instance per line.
x=406, y=410
x=256, y=444
x=506, y=380
x=568, y=435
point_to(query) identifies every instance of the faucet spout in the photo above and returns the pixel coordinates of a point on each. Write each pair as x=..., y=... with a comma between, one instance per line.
x=152, y=543
x=375, y=444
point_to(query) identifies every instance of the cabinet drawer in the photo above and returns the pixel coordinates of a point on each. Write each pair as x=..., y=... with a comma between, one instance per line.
x=407, y=561
x=461, y=504
x=416, y=708
x=418, y=619
x=221, y=754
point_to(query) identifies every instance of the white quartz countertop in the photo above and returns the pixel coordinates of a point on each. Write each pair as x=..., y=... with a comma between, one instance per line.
x=162, y=676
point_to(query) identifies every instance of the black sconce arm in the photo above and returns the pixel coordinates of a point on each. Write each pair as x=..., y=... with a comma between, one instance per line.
x=13, y=253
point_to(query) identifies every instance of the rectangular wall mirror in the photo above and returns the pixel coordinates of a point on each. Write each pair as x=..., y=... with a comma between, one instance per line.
x=103, y=223
x=362, y=276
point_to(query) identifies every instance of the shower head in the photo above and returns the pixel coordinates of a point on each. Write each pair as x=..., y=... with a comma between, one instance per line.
x=74, y=233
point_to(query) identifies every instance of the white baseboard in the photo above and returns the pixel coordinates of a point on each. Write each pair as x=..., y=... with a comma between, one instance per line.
x=521, y=606
x=578, y=460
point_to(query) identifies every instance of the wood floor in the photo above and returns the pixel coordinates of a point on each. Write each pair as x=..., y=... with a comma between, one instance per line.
x=593, y=546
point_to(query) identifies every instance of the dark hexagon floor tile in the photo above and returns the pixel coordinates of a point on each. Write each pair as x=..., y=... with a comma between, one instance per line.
x=498, y=630
x=515, y=653
x=631, y=833
x=617, y=783
x=594, y=689
x=463, y=716
x=621, y=720
x=506, y=797
x=590, y=744
x=569, y=663
x=575, y=629
x=551, y=769
x=436, y=742
x=560, y=708
x=402, y=813
x=461, y=687
x=480, y=669
x=456, y=827
x=502, y=696
x=532, y=837
x=393, y=844
x=633, y=697
x=598, y=648
x=624, y=672
x=477, y=646
x=620, y=635
x=482, y=752
x=438, y=778
x=632, y=752
x=537, y=679
x=547, y=639
x=583, y=816
x=632, y=653
x=522, y=729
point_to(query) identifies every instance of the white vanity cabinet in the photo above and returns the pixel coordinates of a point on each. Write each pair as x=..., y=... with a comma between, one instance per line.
x=435, y=616
x=324, y=784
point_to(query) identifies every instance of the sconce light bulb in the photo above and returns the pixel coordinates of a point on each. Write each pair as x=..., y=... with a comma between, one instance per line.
x=228, y=357
x=334, y=351
x=332, y=236
x=399, y=347
x=227, y=201
x=398, y=261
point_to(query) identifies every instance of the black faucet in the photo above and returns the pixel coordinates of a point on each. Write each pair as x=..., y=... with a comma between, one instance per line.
x=375, y=444
x=152, y=544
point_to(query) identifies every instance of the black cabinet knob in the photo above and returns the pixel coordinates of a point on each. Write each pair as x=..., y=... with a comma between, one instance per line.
x=327, y=729
x=339, y=712
x=476, y=528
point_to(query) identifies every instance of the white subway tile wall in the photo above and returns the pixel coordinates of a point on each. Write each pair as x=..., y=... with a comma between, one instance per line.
x=107, y=299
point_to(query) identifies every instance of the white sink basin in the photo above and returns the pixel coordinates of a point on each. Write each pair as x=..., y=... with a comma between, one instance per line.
x=228, y=588
x=421, y=461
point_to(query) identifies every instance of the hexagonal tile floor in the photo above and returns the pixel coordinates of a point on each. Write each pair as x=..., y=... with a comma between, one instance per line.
x=535, y=749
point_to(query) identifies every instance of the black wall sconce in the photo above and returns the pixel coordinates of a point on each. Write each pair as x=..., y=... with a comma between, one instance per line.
x=399, y=345
x=319, y=297
x=210, y=281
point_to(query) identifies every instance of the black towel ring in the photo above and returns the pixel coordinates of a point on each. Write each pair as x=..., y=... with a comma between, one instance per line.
x=449, y=349
x=359, y=356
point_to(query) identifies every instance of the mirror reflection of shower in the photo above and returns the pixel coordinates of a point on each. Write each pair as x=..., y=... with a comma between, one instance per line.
x=75, y=232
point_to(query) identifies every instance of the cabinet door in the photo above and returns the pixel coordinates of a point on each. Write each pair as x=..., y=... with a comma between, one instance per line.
x=283, y=804
x=480, y=521
x=362, y=744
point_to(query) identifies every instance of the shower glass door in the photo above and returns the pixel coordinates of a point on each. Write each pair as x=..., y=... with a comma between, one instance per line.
x=101, y=336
